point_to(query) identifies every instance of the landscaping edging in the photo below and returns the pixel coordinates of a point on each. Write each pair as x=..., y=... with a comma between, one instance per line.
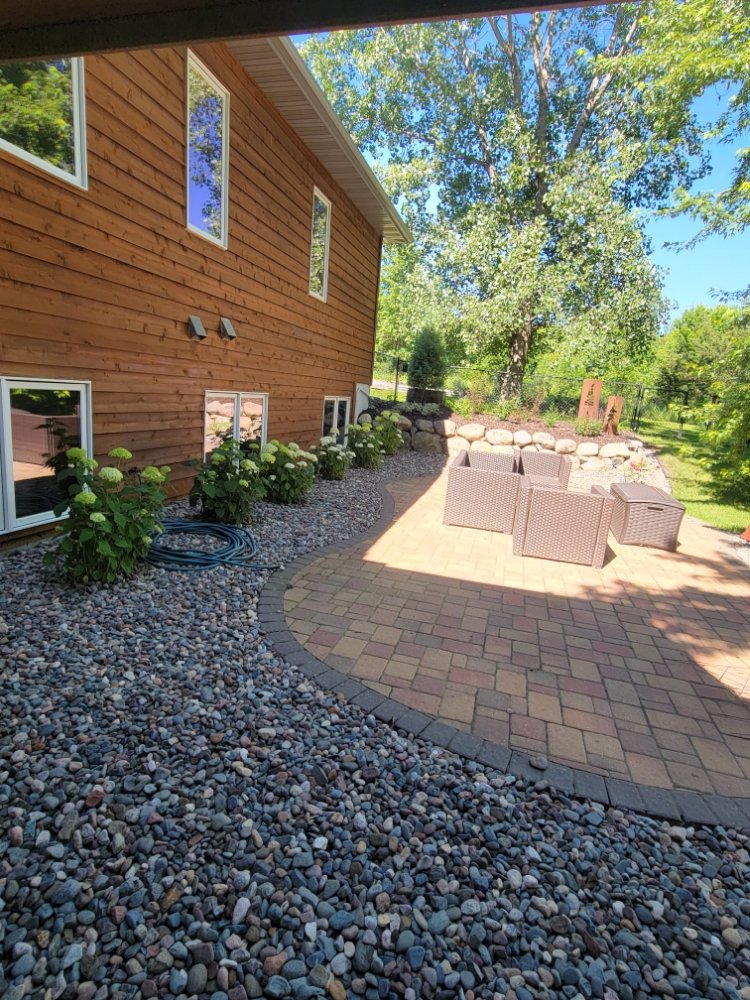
x=447, y=438
x=675, y=805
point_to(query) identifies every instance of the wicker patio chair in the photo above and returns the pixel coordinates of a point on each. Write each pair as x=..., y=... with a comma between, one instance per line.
x=480, y=496
x=568, y=527
x=546, y=463
x=495, y=461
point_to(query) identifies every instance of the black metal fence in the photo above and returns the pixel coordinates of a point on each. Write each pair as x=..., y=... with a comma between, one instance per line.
x=546, y=397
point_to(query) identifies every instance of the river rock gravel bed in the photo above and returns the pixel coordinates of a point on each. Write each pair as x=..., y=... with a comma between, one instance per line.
x=182, y=814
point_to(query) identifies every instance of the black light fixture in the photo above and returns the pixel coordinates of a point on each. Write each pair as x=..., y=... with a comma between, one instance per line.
x=196, y=328
x=227, y=329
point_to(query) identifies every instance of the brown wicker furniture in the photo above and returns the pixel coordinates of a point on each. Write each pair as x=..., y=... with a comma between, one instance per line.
x=569, y=527
x=645, y=515
x=480, y=496
x=546, y=463
x=495, y=461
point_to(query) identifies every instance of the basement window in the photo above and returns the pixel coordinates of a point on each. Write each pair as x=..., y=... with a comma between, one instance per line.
x=39, y=421
x=207, y=153
x=320, y=240
x=336, y=416
x=43, y=116
x=238, y=415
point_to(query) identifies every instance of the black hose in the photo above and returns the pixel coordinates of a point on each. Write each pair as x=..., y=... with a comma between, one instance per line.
x=239, y=549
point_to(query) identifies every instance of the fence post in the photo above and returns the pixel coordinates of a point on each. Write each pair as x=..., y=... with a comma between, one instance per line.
x=635, y=419
x=395, y=385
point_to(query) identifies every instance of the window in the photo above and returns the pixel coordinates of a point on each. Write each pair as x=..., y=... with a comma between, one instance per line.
x=320, y=239
x=241, y=415
x=336, y=416
x=43, y=115
x=39, y=421
x=207, y=153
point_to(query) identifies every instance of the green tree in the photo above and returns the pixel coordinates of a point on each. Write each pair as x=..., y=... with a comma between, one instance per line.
x=427, y=364
x=500, y=137
x=687, y=48
x=699, y=348
x=728, y=435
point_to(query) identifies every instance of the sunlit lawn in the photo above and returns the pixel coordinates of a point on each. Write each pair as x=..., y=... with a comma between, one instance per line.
x=388, y=394
x=691, y=483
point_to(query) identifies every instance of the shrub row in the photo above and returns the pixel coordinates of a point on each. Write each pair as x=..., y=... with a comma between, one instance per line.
x=114, y=513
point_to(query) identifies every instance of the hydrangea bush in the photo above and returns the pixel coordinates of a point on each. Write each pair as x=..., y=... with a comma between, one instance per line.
x=227, y=485
x=364, y=442
x=112, y=517
x=334, y=458
x=387, y=429
x=287, y=471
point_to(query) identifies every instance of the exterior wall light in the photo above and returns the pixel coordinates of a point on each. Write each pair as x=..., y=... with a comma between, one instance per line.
x=195, y=328
x=227, y=329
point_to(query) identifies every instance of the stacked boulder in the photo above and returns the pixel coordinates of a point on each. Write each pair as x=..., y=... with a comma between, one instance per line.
x=443, y=436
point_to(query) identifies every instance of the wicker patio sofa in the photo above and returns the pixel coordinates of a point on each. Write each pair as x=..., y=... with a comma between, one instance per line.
x=546, y=463
x=569, y=527
x=482, y=491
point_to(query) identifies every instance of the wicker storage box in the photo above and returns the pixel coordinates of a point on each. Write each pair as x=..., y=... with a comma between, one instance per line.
x=645, y=515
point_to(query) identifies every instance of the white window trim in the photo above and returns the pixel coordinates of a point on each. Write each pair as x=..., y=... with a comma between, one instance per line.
x=237, y=393
x=336, y=400
x=8, y=520
x=317, y=193
x=195, y=63
x=78, y=99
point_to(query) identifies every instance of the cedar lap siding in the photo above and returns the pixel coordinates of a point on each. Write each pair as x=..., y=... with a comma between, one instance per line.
x=98, y=284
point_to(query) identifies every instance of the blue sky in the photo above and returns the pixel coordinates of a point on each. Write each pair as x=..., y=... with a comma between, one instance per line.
x=716, y=263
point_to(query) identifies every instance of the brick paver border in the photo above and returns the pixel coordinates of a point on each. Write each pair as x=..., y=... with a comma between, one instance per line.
x=673, y=804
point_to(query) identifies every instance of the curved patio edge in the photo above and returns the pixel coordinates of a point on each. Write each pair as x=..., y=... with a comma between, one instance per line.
x=670, y=804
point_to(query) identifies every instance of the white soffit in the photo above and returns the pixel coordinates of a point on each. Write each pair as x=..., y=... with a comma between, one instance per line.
x=282, y=74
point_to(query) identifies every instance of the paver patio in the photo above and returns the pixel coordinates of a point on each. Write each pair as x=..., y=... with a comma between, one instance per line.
x=639, y=670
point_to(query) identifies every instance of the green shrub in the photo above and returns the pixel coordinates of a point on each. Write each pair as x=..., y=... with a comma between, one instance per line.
x=387, y=429
x=728, y=423
x=505, y=409
x=423, y=409
x=588, y=428
x=334, y=458
x=427, y=363
x=112, y=516
x=464, y=407
x=287, y=472
x=480, y=386
x=364, y=441
x=227, y=485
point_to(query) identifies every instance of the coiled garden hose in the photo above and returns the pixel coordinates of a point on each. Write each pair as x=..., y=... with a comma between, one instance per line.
x=239, y=549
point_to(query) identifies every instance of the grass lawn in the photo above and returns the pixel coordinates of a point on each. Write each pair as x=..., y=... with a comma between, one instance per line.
x=691, y=483
x=388, y=394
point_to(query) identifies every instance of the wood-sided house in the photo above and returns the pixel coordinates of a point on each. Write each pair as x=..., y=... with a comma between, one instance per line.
x=190, y=243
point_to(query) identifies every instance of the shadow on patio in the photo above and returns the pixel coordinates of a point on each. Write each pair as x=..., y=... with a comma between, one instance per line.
x=640, y=670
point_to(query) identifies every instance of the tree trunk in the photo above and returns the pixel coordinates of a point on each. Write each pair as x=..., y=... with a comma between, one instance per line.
x=519, y=353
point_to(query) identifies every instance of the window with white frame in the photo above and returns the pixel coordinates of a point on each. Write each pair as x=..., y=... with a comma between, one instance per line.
x=43, y=115
x=320, y=240
x=336, y=416
x=39, y=421
x=238, y=415
x=207, y=153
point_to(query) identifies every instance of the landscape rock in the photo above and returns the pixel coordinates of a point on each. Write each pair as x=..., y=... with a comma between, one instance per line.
x=565, y=446
x=544, y=440
x=587, y=449
x=614, y=449
x=481, y=446
x=423, y=441
x=445, y=428
x=499, y=435
x=522, y=438
x=471, y=432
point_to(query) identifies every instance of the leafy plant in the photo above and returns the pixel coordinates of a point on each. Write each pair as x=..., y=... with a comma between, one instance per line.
x=112, y=517
x=427, y=364
x=287, y=472
x=588, y=428
x=364, y=442
x=639, y=469
x=387, y=430
x=505, y=408
x=423, y=409
x=64, y=441
x=480, y=387
x=334, y=458
x=227, y=485
x=464, y=407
